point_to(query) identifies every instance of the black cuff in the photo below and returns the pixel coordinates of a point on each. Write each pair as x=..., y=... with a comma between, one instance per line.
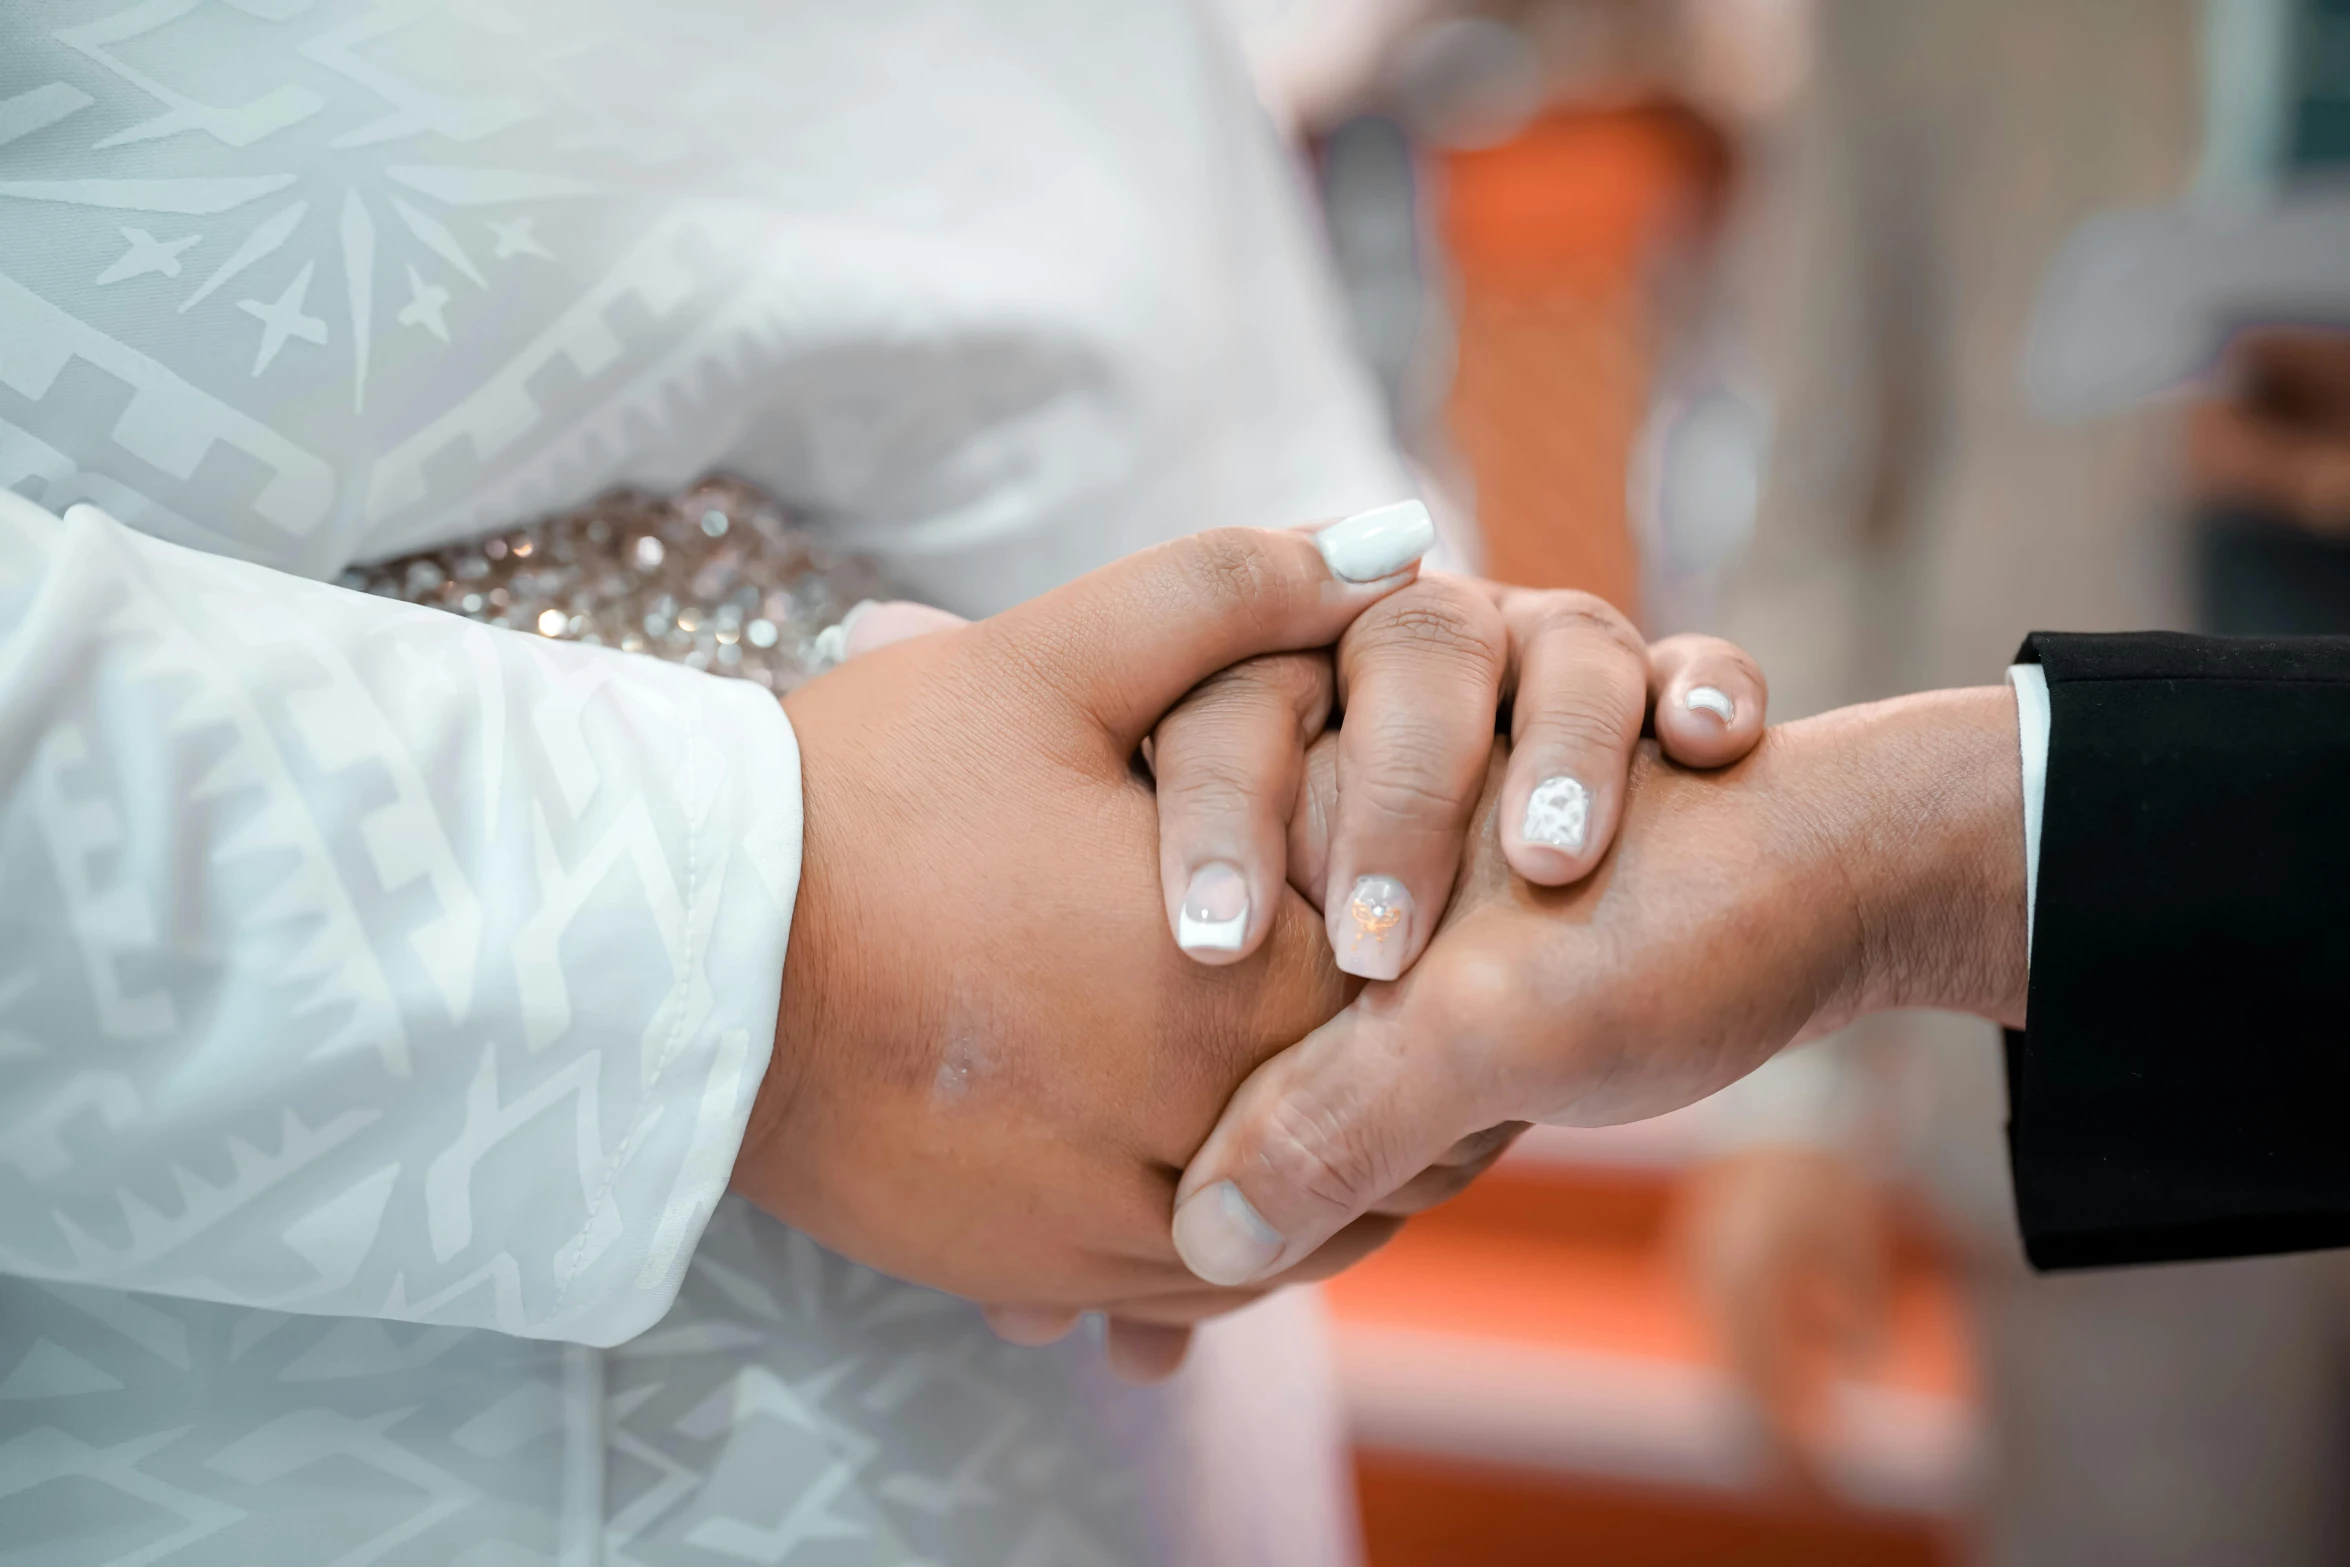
x=2183, y=1089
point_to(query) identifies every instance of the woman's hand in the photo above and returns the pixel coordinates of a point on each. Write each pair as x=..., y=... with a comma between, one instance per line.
x=1424, y=679
x=990, y=1062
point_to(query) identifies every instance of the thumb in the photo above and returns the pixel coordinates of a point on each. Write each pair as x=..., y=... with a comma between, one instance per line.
x=1316, y=1136
x=1124, y=643
x=876, y=625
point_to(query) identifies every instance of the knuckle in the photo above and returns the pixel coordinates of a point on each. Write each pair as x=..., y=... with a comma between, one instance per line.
x=1478, y=996
x=1276, y=683
x=1406, y=791
x=1208, y=783
x=1431, y=620
x=1403, y=738
x=1229, y=702
x=1500, y=1028
x=1413, y=764
x=1584, y=722
x=1303, y=683
x=1566, y=612
x=1338, y=1160
x=1230, y=569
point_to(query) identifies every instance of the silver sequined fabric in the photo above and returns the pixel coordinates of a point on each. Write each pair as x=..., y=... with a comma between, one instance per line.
x=715, y=577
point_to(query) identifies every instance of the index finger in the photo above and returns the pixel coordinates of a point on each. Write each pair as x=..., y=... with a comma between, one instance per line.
x=1419, y=675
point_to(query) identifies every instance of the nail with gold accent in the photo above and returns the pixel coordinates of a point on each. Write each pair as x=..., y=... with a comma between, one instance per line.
x=1371, y=930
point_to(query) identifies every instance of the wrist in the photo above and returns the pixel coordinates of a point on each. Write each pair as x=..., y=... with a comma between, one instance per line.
x=1922, y=813
x=771, y=1167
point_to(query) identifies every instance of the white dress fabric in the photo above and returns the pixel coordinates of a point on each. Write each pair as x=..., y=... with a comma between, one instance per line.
x=381, y=995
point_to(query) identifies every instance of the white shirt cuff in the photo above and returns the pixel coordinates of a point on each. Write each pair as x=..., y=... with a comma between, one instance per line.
x=2031, y=723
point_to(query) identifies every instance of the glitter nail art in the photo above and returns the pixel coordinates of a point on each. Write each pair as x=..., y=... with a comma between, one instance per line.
x=1558, y=813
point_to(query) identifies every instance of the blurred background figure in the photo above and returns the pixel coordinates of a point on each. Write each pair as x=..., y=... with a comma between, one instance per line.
x=2268, y=459
x=1721, y=309
x=2176, y=1415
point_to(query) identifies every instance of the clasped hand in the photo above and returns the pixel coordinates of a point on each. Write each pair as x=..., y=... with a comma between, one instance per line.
x=1074, y=873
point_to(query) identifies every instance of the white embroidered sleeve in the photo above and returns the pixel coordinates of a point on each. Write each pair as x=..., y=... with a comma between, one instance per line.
x=357, y=959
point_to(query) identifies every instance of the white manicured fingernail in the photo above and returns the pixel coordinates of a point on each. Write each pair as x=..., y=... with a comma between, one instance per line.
x=1711, y=699
x=1558, y=813
x=1222, y=1238
x=832, y=643
x=1372, y=929
x=1379, y=543
x=1214, y=916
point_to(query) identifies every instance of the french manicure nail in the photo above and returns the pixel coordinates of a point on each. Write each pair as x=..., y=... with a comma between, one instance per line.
x=1214, y=916
x=1378, y=543
x=1711, y=699
x=1558, y=813
x=1222, y=1238
x=1373, y=927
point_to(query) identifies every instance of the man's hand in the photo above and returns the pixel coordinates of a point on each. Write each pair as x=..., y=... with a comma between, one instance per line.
x=990, y=1061
x=1865, y=859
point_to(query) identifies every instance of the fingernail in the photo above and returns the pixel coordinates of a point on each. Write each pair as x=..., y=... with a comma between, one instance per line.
x=1221, y=1238
x=1214, y=916
x=1031, y=1325
x=1377, y=543
x=1711, y=699
x=1374, y=927
x=1557, y=813
x=832, y=643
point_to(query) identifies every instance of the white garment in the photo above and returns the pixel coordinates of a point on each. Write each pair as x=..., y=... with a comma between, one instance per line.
x=2030, y=683
x=381, y=996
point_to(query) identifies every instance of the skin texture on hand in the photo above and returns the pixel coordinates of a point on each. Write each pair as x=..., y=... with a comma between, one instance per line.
x=1423, y=678
x=1253, y=787
x=1865, y=859
x=991, y=1062
x=1421, y=672
x=1788, y=1253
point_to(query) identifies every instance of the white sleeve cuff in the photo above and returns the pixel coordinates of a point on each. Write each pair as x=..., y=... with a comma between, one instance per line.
x=364, y=961
x=2031, y=723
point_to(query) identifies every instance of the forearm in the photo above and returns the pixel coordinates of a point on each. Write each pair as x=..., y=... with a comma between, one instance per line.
x=1918, y=803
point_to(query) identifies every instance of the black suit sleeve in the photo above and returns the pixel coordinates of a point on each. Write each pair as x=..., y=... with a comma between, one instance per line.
x=2183, y=1087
